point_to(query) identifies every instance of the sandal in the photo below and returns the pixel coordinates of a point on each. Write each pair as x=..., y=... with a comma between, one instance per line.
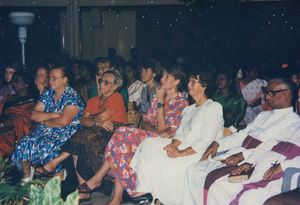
x=84, y=188
x=44, y=171
x=85, y=199
x=29, y=178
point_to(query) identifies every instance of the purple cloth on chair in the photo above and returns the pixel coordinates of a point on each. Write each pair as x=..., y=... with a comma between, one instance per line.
x=287, y=149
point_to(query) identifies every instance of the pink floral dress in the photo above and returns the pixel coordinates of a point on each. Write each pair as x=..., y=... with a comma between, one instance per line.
x=125, y=140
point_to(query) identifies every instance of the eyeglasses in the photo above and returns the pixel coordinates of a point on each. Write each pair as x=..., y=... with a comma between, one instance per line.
x=106, y=83
x=271, y=93
x=54, y=78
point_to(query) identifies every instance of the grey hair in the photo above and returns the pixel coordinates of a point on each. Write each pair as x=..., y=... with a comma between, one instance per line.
x=118, y=79
x=284, y=81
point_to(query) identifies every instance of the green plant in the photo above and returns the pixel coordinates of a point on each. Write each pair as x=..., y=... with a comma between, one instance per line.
x=32, y=192
x=50, y=195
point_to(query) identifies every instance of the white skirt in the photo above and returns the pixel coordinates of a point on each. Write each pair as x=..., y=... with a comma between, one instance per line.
x=159, y=174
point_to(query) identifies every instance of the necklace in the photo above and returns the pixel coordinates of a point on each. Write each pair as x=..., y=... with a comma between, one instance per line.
x=102, y=101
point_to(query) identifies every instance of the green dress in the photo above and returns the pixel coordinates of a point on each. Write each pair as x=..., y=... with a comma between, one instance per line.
x=233, y=108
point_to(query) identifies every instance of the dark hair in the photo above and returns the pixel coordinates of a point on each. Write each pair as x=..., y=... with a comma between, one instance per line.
x=227, y=72
x=205, y=80
x=178, y=73
x=27, y=78
x=150, y=64
x=133, y=67
x=101, y=60
x=42, y=66
x=86, y=64
x=14, y=65
x=64, y=70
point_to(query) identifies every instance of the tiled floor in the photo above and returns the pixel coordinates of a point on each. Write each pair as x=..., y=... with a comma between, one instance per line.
x=99, y=198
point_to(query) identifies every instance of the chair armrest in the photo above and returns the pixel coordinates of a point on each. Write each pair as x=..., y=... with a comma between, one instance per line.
x=287, y=178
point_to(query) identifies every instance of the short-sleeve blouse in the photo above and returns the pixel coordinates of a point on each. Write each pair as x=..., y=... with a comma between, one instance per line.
x=69, y=97
x=114, y=102
x=173, y=112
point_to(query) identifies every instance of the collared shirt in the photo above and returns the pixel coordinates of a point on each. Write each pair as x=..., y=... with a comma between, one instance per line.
x=275, y=124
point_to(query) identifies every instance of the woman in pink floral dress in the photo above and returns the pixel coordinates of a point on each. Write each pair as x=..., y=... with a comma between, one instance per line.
x=162, y=119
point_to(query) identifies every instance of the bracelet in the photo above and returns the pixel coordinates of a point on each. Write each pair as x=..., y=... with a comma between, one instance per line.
x=1, y=124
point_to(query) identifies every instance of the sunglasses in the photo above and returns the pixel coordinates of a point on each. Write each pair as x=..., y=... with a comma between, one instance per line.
x=106, y=83
x=271, y=93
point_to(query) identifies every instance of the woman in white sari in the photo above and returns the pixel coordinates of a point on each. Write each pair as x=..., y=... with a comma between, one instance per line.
x=160, y=163
x=251, y=89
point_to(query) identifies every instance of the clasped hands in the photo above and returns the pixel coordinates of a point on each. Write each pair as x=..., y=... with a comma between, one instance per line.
x=173, y=151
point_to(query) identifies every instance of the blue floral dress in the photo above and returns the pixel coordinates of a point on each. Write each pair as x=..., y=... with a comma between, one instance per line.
x=44, y=143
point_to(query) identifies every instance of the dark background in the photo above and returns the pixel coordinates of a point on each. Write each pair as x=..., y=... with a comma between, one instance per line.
x=214, y=31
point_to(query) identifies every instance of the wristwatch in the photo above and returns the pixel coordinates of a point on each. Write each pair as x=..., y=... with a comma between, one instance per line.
x=160, y=105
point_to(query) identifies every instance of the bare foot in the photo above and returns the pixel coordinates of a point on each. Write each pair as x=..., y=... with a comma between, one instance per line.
x=84, y=195
x=93, y=184
x=114, y=202
x=50, y=167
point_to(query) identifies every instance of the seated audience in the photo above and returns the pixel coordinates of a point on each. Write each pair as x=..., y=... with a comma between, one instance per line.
x=250, y=88
x=268, y=125
x=15, y=112
x=268, y=163
x=103, y=65
x=57, y=112
x=233, y=105
x=87, y=81
x=41, y=79
x=102, y=115
x=162, y=119
x=7, y=88
x=134, y=86
x=149, y=74
x=160, y=163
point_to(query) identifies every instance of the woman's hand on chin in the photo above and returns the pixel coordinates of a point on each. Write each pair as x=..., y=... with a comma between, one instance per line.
x=160, y=92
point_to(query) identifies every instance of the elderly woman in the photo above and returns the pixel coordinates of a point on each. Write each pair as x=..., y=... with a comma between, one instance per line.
x=15, y=112
x=102, y=115
x=161, y=119
x=160, y=163
x=57, y=112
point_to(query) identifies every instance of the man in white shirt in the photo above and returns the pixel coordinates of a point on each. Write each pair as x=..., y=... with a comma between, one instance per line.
x=269, y=162
x=269, y=125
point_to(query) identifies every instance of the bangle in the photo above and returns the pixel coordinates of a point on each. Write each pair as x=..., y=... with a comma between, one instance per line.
x=94, y=123
x=1, y=124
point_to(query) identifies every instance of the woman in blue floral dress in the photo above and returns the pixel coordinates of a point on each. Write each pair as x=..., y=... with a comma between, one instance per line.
x=58, y=113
